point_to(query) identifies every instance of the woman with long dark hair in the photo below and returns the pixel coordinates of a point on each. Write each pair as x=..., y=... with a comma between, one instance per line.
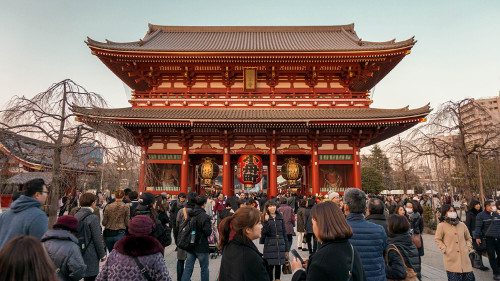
x=455, y=242
x=241, y=260
x=416, y=223
x=336, y=258
x=24, y=258
x=275, y=245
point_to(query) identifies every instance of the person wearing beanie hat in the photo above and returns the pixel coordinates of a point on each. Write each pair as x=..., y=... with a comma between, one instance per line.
x=137, y=247
x=334, y=197
x=62, y=248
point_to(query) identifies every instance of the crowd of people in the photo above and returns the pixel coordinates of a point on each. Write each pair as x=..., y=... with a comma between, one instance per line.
x=349, y=237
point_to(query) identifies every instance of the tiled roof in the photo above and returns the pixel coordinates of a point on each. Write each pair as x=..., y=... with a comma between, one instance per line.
x=341, y=38
x=39, y=152
x=22, y=178
x=253, y=114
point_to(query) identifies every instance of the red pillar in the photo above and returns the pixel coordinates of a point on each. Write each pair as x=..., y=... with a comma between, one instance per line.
x=142, y=172
x=273, y=179
x=184, y=170
x=356, y=168
x=314, y=170
x=227, y=174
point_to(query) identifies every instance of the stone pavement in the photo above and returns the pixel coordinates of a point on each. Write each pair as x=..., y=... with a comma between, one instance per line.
x=432, y=264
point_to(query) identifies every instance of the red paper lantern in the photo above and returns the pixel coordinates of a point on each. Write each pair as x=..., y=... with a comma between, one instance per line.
x=249, y=170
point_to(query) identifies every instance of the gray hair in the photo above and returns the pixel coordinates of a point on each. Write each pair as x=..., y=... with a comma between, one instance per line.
x=355, y=199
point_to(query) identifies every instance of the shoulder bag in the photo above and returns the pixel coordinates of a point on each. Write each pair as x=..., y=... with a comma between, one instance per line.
x=143, y=269
x=482, y=247
x=352, y=263
x=411, y=275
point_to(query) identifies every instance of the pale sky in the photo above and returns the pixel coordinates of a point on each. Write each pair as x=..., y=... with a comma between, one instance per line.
x=457, y=54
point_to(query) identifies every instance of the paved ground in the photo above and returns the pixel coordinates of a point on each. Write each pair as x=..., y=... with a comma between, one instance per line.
x=432, y=264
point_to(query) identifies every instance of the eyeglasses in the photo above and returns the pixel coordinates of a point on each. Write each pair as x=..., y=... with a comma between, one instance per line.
x=44, y=192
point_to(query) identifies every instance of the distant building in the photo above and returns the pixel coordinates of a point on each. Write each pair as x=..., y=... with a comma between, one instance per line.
x=479, y=117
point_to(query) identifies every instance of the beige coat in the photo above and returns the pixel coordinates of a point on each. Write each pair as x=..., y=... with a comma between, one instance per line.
x=455, y=243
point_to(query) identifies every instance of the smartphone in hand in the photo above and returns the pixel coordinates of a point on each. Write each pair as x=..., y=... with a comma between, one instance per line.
x=295, y=254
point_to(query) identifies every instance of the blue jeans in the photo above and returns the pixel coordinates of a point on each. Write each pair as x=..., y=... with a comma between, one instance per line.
x=188, y=270
x=111, y=240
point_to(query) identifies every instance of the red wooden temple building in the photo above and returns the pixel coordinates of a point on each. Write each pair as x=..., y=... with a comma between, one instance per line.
x=272, y=91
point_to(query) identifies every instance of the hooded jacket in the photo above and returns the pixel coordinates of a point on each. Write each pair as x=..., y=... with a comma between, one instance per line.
x=203, y=229
x=23, y=218
x=95, y=248
x=120, y=265
x=63, y=250
x=275, y=244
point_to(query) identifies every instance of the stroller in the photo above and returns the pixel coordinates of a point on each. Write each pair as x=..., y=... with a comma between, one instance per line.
x=213, y=240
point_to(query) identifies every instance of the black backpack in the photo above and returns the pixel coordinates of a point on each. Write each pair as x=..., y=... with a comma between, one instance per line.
x=185, y=233
x=162, y=233
x=83, y=239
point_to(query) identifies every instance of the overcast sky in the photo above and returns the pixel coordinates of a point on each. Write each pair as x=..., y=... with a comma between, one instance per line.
x=457, y=54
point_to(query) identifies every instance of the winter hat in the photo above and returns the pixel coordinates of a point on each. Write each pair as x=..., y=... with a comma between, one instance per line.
x=141, y=225
x=67, y=222
x=147, y=198
x=332, y=194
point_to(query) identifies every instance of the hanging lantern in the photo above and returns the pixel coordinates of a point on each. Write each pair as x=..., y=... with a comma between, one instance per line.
x=208, y=170
x=291, y=171
x=249, y=170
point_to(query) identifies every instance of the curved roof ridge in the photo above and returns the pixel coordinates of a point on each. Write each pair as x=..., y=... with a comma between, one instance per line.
x=311, y=28
x=91, y=41
x=393, y=41
x=352, y=34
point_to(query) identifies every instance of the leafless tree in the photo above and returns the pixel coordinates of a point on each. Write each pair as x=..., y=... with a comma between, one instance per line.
x=452, y=135
x=48, y=117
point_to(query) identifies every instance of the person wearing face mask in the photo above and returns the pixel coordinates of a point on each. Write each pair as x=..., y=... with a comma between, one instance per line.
x=454, y=241
x=488, y=227
x=416, y=223
x=470, y=221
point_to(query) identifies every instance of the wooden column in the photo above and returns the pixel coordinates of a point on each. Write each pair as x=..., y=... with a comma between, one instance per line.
x=356, y=172
x=227, y=173
x=184, y=170
x=142, y=171
x=314, y=169
x=273, y=180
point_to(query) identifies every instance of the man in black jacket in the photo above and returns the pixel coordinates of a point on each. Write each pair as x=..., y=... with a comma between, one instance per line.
x=375, y=213
x=488, y=226
x=201, y=249
x=174, y=209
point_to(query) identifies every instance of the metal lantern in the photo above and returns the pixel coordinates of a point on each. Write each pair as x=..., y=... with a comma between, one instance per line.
x=208, y=170
x=249, y=170
x=291, y=170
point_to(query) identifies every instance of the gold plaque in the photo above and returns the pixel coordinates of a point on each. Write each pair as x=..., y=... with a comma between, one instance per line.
x=250, y=79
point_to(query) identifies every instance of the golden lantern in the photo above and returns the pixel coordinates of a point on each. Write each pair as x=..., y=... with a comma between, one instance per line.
x=208, y=171
x=291, y=171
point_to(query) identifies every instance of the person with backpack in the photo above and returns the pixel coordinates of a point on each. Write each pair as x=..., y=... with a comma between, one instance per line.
x=180, y=219
x=193, y=237
x=137, y=256
x=399, y=242
x=61, y=245
x=89, y=236
x=146, y=207
x=175, y=206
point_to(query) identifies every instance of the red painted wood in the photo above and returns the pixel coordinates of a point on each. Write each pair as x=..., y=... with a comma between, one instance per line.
x=184, y=171
x=314, y=170
x=142, y=172
x=227, y=174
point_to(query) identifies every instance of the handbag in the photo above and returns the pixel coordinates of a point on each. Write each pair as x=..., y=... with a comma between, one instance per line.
x=417, y=240
x=482, y=247
x=411, y=275
x=287, y=267
x=475, y=260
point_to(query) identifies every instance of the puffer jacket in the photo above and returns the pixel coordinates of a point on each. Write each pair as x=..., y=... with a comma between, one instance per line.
x=95, y=248
x=63, y=250
x=370, y=241
x=483, y=221
x=120, y=265
x=274, y=235
x=395, y=269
